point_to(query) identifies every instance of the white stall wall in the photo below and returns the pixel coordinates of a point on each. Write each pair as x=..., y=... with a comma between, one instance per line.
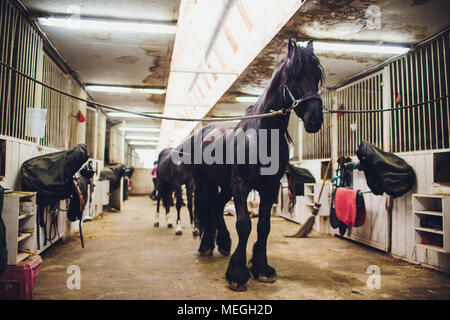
x=142, y=182
x=17, y=152
x=376, y=231
x=402, y=215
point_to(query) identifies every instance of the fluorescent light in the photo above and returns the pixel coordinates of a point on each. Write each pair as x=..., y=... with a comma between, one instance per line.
x=123, y=115
x=146, y=138
x=116, y=89
x=120, y=26
x=142, y=143
x=140, y=129
x=357, y=47
x=247, y=99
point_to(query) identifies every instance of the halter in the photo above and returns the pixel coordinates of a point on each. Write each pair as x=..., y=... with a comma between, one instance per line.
x=296, y=102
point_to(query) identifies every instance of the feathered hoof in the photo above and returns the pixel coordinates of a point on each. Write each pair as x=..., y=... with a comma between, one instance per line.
x=265, y=279
x=237, y=287
x=224, y=252
x=156, y=224
x=207, y=253
x=178, y=233
x=170, y=226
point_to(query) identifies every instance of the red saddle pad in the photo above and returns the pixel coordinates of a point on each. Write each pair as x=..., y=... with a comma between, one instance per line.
x=346, y=208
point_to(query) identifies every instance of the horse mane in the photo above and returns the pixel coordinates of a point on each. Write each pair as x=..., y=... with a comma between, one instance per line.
x=290, y=68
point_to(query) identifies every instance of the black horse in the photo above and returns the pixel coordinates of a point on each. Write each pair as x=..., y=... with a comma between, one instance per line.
x=175, y=168
x=297, y=76
x=170, y=178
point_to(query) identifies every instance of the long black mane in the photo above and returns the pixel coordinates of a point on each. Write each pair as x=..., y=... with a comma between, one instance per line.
x=292, y=67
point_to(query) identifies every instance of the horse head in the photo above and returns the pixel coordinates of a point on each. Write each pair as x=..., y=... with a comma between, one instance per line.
x=301, y=76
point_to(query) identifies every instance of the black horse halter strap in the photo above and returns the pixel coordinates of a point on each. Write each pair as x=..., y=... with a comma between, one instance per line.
x=297, y=102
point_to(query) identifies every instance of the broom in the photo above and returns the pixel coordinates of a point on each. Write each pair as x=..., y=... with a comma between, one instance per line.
x=307, y=227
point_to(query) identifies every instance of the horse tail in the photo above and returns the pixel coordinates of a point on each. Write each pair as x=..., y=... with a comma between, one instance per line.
x=165, y=192
x=205, y=193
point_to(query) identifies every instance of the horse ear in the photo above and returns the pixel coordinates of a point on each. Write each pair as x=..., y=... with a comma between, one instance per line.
x=310, y=45
x=291, y=46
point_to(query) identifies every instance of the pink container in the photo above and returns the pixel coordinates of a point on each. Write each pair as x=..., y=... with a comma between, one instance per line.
x=17, y=282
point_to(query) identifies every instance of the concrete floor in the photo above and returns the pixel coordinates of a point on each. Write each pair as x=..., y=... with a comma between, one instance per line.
x=125, y=257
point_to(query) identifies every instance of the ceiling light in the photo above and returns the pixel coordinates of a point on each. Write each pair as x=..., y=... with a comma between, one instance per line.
x=142, y=143
x=140, y=129
x=123, y=115
x=120, y=26
x=116, y=89
x=356, y=47
x=146, y=138
x=247, y=99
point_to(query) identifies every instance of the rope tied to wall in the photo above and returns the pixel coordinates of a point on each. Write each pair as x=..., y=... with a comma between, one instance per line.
x=219, y=119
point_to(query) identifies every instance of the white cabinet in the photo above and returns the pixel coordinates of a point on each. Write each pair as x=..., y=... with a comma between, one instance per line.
x=20, y=225
x=432, y=221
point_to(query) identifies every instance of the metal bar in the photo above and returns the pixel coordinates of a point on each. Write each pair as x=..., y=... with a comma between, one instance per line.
x=403, y=115
x=413, y=100
x=435, y=104
x=10, y=57
x=433, y=83
x=441, y=104
x=17, y=82
x=416, y=85
x=372, y=105
x=395, y=144
x=430, y=144
x=446, y=85
x=423, y=84
x=407, y=98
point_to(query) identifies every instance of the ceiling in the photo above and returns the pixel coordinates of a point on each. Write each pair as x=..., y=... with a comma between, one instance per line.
x=144, y=60
x=115, y=58
x=403, y=22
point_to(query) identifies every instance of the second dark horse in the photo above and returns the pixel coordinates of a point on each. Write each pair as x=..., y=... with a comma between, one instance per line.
x=169, y=179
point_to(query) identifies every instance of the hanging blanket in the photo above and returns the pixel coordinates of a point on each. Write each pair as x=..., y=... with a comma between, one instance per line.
x=384, y=171
x=349, y=206
x=297, y=177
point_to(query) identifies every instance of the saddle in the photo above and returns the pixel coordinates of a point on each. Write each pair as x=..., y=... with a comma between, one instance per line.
x=385, y=172
x=52, y=177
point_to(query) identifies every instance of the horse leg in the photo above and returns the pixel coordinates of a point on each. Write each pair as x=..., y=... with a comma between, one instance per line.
x=179, y=203
x=158, y=200
x=166, y=201
x=223, y=239
x=189, y=191
x=259, y=266
x=205, y=195
x=237, y=273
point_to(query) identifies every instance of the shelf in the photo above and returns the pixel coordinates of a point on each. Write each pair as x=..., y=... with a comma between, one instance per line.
x=429, y=212
x=23, y=216
x=22, y=256
x=438, y=196
x=437, y=231
x=24, y=236
x=429, y=246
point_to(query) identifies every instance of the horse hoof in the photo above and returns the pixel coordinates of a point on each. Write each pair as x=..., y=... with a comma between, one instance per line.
x=207, y=253
x=170, y=226
x=237, y=287
x=223, y=252
x=195, y=233
x=156, y=224
x=265, y=279
x=178, y=233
